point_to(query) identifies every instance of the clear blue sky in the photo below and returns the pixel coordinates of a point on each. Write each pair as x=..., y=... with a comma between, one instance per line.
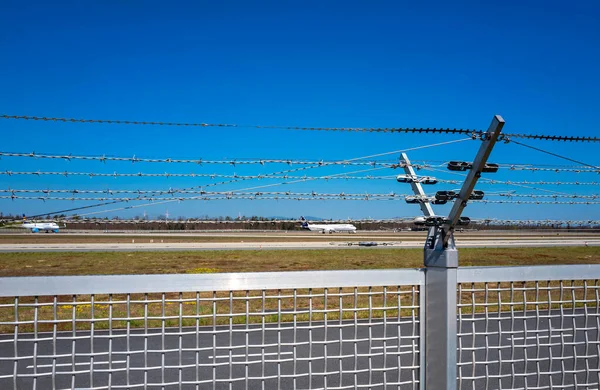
x=344, y=64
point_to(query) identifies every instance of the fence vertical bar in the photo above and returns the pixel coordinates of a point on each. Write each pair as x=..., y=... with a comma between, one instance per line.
x=440, y=328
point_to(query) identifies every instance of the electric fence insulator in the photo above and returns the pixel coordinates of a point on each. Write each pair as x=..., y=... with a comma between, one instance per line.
x=490, y=168
x=445, y=195
x=412, y=200
x=460, y=166
x=404, y=179
x=463, y=221
x=428, y=180
x=435, y=221
x=476, y=195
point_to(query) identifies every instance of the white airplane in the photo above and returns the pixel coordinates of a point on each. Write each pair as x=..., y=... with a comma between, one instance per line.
x=328, y=228
x=35, y=227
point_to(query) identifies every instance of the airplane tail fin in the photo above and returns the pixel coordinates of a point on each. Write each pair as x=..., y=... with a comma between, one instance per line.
x=304, y=222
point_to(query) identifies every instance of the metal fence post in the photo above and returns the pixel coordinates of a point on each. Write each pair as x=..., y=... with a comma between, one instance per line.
x=441, y=262
x=440, y=319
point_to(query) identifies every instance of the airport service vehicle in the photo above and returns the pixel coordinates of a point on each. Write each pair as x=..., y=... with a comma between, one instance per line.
x=35, y=227
x=328, y=228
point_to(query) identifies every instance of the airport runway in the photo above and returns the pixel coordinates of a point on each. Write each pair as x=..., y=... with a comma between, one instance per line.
x=351, y=353
x=350, y=244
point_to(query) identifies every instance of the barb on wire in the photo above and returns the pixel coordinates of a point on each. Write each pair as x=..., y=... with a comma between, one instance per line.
x=551, y=137
x=474, y=133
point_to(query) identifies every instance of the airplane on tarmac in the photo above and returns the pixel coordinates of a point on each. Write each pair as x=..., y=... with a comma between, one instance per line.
x=35, y=227
x=328, y=228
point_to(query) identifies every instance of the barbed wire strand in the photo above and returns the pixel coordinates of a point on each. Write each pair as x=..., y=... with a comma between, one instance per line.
x=488, y=221
x=556, y=155
x=315, y=165
x=318, y=165
x=290, y=162
x=474, y=133
x=288, y=193
x=356, y=197
x=486, y=180
x=192, y=175
x=262, y=176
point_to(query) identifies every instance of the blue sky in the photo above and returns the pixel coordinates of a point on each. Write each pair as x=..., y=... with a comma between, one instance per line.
x=323, y=64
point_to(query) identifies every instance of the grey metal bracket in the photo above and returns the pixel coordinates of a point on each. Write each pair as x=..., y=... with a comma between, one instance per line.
x=438, y=254
x=479, y=164
x=416, y=186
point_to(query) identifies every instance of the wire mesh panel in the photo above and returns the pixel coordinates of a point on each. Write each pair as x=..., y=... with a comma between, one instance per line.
x=532, y=332
x=362, y=335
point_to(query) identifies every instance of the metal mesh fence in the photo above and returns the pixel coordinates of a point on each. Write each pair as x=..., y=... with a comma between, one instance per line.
x=303, y=338
x=529, y=335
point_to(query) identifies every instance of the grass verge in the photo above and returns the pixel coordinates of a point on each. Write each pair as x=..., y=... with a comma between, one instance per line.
x=67, y=313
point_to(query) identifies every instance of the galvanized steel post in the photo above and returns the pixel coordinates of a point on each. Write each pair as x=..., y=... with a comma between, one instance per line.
x=441, y=262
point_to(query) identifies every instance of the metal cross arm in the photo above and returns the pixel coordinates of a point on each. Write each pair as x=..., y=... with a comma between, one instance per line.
x=479, y=164
x=416, y=186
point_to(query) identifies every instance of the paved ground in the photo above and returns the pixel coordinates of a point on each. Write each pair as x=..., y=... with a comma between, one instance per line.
x=158, y=246
x=531, y=347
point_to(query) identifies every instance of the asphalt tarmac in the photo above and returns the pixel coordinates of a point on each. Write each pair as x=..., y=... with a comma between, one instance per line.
x=155, y=245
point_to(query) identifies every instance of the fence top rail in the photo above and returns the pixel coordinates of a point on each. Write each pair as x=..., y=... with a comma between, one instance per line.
x=119, y=284
x=528, y=273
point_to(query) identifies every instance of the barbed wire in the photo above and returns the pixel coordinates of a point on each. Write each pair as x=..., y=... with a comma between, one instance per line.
x=172, y=192
x=282, y=196
x=556, y=155
x=230, y=194
x=574, y=196
x=271, y=176
x=232, y=162
x=300, y=169
x=484, y=180
x=487, y=221
x=532, y=202
x=195, y=175
x=552, y=183
x=290, y=162
x=365, y=197
x=474, y=133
